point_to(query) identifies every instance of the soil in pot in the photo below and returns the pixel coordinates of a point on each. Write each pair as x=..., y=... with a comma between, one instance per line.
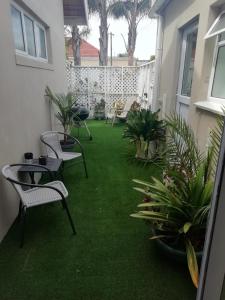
x=68, y=144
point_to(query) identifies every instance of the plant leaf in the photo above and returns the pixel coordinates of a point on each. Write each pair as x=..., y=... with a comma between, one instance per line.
x=192, y=263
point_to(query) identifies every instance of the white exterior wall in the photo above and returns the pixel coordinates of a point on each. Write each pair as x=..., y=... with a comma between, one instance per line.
x=24, y=112
x=176, y=15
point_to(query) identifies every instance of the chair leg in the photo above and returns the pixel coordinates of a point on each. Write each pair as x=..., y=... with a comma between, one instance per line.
x=20, y=211
x=85, y=166
x=23, y=221
x=69, y=216
x=61, y=173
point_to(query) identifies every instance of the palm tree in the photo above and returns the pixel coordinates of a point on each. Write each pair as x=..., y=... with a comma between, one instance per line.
x=77, y=35
x=102, y=8
x=133, y=11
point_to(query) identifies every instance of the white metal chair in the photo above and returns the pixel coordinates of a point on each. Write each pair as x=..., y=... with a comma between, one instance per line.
x=37, y=194
x=53, y=147
x=122, y=114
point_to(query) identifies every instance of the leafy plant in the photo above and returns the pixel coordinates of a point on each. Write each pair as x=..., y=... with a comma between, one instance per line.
x=177, y=206
x=178, y=212
x=64, y=104
x=143, y=127
x=216, y=134
x=182, y=151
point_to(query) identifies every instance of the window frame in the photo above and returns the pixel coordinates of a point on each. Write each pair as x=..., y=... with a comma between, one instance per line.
x=216, y=33
x=213, y=71
x=36, y=25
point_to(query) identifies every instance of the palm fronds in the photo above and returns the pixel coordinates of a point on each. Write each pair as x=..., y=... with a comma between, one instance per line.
x=144, y=124
x=182, y=148
x=215, y=138
x=64, y=104
x=178, y=210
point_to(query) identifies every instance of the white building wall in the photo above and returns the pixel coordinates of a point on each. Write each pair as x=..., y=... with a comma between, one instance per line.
x=24, y=112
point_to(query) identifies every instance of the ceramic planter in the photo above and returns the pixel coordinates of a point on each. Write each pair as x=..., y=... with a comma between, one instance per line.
x=145, y=150
x=174, y=254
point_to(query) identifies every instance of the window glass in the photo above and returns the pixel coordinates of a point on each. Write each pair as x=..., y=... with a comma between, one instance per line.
x=220, y=25
x=29, y=24
x=43, y=53
x=17, y=29
x=189, y=63
x=218, y=89
x=222, y=37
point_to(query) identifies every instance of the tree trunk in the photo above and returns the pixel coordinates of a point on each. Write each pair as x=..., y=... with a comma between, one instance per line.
x=103, y=30
x=76, y=41
x=132, y=34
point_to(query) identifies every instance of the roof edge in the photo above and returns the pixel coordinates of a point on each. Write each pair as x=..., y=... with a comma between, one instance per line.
x=157, y=7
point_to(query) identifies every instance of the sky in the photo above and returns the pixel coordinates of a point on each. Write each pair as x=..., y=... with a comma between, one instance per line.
x=146, y=38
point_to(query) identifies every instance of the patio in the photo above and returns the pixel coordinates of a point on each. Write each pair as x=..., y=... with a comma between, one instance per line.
x=111, y=256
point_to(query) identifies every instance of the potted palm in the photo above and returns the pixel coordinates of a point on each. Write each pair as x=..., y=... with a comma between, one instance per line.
x=177, y=206
x=145, y=130
x=64, y=104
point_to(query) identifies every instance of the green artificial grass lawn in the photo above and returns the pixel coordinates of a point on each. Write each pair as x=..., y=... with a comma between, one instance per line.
x=111, y=257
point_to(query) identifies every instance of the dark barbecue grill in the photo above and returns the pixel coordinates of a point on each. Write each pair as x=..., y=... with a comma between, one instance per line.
x=79, y=118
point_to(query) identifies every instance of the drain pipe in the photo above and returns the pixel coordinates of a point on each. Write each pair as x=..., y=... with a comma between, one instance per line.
x=158, y=62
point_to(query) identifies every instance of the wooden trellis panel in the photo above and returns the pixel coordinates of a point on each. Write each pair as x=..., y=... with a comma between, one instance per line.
x=91, y=84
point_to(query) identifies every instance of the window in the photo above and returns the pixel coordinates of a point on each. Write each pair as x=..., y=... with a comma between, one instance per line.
x=42, y=46
x=18, y=29
x=29, y=26
x=217, y=27
x=217, y=86
x=188, y=71
x=29, y=35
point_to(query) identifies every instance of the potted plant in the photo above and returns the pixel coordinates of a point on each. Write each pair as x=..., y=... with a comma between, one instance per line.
x=64, y=104
x=177, y=206
x=144, y=128
x=178, y=215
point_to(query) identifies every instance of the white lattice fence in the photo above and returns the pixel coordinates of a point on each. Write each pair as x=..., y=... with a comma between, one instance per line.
x=91, y=84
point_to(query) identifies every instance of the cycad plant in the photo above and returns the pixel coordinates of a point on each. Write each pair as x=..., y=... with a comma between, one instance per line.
x=182, y=153
x=177, y=206
x=64, y=104
x=144, y=129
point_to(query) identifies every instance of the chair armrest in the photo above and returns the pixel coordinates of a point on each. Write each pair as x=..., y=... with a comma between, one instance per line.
x=37, y=186
x=31, y=165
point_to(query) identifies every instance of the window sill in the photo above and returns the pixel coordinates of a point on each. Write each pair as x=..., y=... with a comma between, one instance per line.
x=212, y=107
x=32, y=63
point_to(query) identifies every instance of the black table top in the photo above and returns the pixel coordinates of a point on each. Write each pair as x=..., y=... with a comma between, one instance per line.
x=53, y=164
